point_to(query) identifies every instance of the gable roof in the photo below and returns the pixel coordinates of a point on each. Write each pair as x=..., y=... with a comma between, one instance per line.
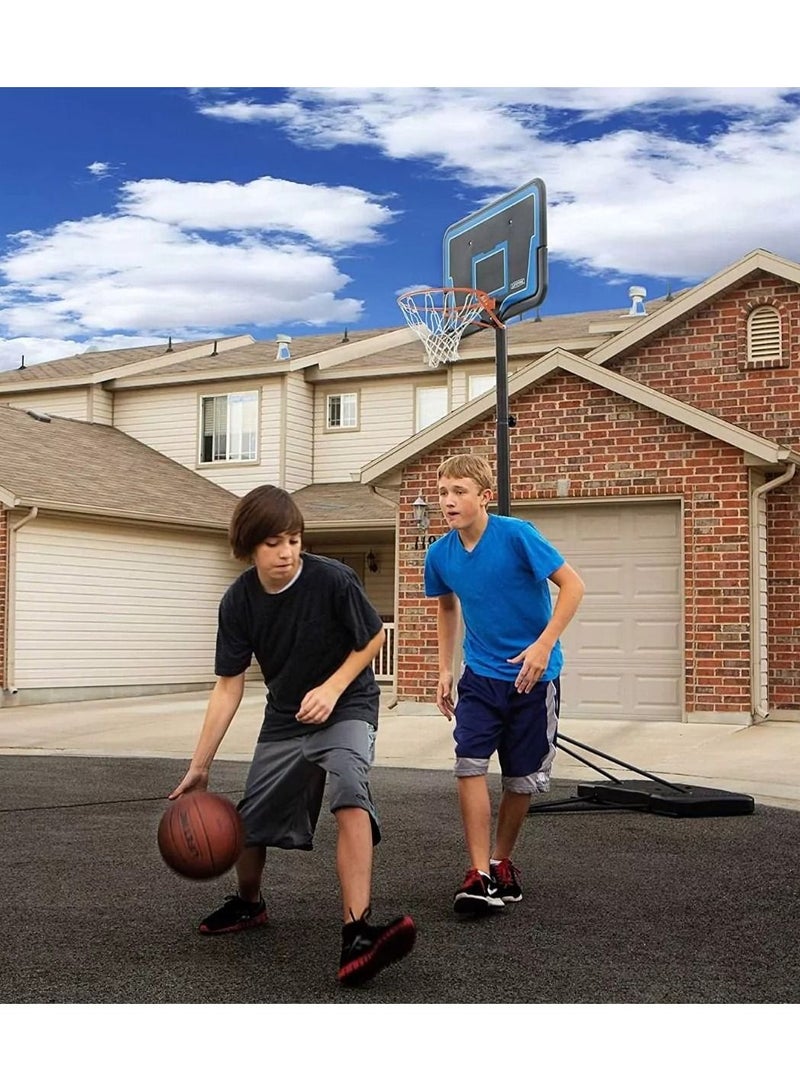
x=98, y=367
x=759, y=449
x=396, y=350
x=689, y=300
x=93, y=469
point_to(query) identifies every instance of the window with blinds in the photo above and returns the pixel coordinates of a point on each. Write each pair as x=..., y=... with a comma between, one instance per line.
x=763, y=334
x=229, y=427
x=430, y=405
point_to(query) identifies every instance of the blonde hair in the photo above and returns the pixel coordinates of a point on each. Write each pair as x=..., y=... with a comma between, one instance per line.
x=472, y=466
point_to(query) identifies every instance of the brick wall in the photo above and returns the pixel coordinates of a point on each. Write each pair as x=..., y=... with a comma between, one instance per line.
x=3, y=591
x=702, y=360
x=609, y=447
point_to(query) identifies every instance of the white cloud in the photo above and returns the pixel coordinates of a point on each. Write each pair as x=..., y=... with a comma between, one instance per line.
x=624, y=195
x=99, y=170
x=334, y=216
x=176, y=255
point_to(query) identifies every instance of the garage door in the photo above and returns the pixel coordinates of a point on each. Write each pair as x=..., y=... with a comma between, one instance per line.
x=100, y=605
x=624, y=648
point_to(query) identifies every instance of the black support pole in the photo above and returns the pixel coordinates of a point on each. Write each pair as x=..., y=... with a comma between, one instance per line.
x=503, y=445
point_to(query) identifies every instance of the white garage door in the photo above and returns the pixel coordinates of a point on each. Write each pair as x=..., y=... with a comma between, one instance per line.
x=99, y=605
x=624, y=648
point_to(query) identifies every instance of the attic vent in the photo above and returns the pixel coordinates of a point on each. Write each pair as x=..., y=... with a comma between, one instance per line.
x=637, y=296
x=764, y=334
x=43, y=417
x=284, y=352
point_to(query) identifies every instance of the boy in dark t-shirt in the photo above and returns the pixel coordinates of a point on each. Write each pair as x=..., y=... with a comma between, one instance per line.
x=314, y=633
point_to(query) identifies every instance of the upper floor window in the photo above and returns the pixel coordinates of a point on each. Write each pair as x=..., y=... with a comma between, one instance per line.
x=479, y=384
x=431, y=405
x=763, y=334
x=341, y=411
x=229, y=427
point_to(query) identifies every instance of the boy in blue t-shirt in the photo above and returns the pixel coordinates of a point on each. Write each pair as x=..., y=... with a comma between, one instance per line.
x=497, y=568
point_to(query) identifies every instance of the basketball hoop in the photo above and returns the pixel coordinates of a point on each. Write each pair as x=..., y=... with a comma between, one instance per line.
x=439, y=317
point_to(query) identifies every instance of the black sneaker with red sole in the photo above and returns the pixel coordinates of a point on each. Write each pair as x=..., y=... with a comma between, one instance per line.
x=477, y=894
x=234, y=915
x=367, y=949
x=507, y=877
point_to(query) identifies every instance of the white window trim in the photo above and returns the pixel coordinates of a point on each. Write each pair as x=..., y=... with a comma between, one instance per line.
x=343, y=427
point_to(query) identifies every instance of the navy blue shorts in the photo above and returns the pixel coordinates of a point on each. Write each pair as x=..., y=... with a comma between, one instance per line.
x=521, y=728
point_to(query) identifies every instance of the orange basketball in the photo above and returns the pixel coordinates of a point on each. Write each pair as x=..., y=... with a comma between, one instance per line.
x=200, y=835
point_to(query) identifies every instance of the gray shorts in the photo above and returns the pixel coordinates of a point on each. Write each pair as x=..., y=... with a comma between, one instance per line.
x=286, y=783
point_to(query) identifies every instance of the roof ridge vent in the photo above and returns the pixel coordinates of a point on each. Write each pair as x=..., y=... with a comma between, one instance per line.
x=637, y=296
x=283, y=341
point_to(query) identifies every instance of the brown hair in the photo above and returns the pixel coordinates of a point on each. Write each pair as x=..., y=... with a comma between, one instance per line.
x=264, y=512
x=473, y=466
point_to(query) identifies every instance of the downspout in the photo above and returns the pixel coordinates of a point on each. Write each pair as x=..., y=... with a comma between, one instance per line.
x=12, y=567
x=760, y=709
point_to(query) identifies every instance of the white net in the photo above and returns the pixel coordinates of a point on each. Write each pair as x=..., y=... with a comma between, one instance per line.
x=439, y=317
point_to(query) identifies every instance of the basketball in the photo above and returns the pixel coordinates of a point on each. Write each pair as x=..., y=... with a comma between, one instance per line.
x=200, y=835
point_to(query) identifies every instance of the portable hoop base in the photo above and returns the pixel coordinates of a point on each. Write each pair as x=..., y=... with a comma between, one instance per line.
x=654, y=795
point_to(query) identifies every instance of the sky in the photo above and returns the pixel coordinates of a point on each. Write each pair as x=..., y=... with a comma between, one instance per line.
x=131, y=214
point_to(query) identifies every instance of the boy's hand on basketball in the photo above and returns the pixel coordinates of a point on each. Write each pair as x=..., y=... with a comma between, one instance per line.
x=317, y=705
x=534, y=662
x=444, y=695
x=196, y=780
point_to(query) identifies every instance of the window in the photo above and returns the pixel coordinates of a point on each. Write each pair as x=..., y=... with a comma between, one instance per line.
x=764, y=334
x=342, y=411
x=431, y=405
x=229, y=427
x=479, y=384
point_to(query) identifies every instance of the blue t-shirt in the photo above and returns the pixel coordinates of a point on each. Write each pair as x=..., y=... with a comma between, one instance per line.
x=503, y=590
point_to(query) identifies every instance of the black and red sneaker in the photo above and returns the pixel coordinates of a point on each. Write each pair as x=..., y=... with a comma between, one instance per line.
x=508, y=882
x=477, y=894
x=367, y=949
x=234, y=915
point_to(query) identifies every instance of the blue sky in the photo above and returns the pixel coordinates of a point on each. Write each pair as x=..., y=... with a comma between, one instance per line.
x=132, y=213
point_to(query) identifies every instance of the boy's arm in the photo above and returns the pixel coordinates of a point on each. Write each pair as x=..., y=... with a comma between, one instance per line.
x=536, y=656
x=226, y=696
x=319, y=702
x=446, y=628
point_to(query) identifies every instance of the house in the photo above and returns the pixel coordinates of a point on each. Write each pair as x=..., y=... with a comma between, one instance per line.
x=657, y=447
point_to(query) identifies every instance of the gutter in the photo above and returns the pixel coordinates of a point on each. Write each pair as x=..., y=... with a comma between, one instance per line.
x=11, y=597
x=758, y=651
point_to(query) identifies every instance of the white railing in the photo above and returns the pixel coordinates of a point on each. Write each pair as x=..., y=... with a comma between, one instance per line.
x=383, y=663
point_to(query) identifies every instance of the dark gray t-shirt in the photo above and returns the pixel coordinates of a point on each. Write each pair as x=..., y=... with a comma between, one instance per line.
x=299, y=637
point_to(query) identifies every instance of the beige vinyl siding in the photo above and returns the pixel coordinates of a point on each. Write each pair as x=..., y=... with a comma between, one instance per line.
x=167, y=419
x=60, y=403
x=386, y=417
x=298, y=433
x=101, y=605
x=379, y=585
x=101, y=406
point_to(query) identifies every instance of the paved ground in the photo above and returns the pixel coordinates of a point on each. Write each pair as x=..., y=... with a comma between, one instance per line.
x=620, y=907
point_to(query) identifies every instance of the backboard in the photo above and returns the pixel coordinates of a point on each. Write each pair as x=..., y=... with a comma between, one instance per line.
x=502, y=250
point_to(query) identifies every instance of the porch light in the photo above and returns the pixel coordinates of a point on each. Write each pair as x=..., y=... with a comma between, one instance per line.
x=372, y=562
x=421, y=517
